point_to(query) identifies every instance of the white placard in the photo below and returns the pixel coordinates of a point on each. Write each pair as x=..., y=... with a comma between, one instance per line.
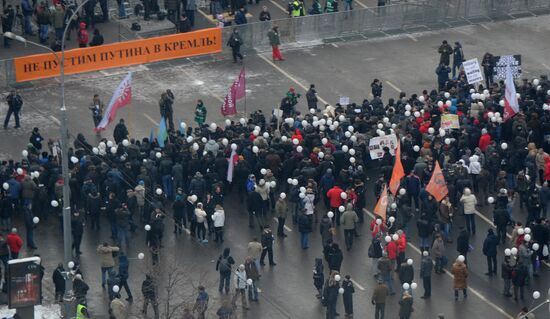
x=377, y=144
x=473, y=71
x=344, y=100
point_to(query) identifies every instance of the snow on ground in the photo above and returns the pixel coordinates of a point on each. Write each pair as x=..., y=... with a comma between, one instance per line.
x=40, y=312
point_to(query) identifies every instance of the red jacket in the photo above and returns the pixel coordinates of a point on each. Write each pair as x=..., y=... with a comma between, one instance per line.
x=15, y=242
x=547, y=168
x=484, y=142
x=391, y=249
x=402, y=243
x=333, y=195
x=375, y=228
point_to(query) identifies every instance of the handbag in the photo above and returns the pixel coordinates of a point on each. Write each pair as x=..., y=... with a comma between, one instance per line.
x=545, y=251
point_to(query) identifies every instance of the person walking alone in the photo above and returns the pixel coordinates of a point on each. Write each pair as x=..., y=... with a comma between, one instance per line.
x=490, y=245
x=348, y=220
x=460, y=273
x=15, y=103
x=275, y=41
x=235, y=41
x=379, y=296
x=426, y=267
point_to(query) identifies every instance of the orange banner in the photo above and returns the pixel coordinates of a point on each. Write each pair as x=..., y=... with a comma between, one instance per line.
x=437, y=185
x=382, y=205
x=398, y=172
x=120, y=54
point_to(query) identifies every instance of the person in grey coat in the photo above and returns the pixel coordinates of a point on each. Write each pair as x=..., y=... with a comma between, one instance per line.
x=426, y=267
x=190, y=9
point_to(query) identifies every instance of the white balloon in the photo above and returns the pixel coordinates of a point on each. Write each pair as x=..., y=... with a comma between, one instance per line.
x=265, y=135
x=402, y=191
x=158, y=191
x=431, y=130
x=113, y=150
x=380, y=125
x=141, y=255
x=351, y=152
x=378, y=221
x=391, y=219
x=407, y=113
x=416, y=148
x=386, y=120
x=345, y=148
x=416, y=114
x=70, y=264
x=337, y=277
x=25, y=153
x=353, y=138
x=125, y=142
x=255, y=149
x=406, y=286
x=36, y=220
x=6, y=186
x=343, y=195
x=395, y=237
x=299, y=149
x=74, y=160
x=194, y=198
x=341, y=290
x=95, y=150
x=227, y=122
x=535, y=247
x=387, y=239
x=352, y=160
x=273, y=184
x=282, y=195
x=341, y=209
x=183, y=125
x=514, y=251
x=440, y=103
x=527, y=238
x=461, y=258
x=321, y=154
x=54, y=203
x=347, y=134
x=527, y=230
x=242, y=121
x=116, y=289
x=19, y=171
x=507, y=252
x=491, y=200
x=393, y=205
x=295, y=141
x=225, y=142
x=110, y=144
x=249, y=282
x=447, y=141
x=447, y=95
x=204, y=140
x=324, y=140
x=147, y=227
x=263, y=171
x=414, y=285
x=330, y=214
x=442, y=132
x=295, y=182
x=521, y=231
x=407, y=107
x=195, y=146
x=350, y=128
x=409, y=262
x=213, y=126
x=284, y=138
x=504, y=146
x=255, y=133
x=189, y=139
x=536, y=295
x=302, y=195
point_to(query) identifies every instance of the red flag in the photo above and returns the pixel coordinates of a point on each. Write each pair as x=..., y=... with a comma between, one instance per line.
x=382, y=205
x=121, y=98
x=437, y=185
x=398, y=172
x=229, y=107
x=240, y=86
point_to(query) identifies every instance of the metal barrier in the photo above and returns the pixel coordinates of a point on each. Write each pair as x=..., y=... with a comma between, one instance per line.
x=391, y=19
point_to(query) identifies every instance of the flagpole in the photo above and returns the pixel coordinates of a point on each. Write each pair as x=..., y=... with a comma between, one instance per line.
x=130, y=120
x=244, y=93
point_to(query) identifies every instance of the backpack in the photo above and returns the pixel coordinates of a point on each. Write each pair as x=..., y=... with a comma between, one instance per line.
x=224, y=266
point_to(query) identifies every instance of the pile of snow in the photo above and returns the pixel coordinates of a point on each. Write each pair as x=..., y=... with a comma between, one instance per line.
x=40, y=312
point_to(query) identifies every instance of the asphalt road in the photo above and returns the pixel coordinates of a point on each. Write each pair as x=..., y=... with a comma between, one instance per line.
x=342, y=69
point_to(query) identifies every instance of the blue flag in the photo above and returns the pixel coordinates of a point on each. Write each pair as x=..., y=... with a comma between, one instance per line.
x=162, y=133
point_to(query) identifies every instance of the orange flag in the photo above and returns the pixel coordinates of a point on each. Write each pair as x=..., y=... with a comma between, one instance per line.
x=382, y=204
x=397, y=173
x=437, y=185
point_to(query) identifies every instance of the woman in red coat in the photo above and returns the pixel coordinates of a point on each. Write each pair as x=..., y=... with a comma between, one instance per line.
x=547, y=168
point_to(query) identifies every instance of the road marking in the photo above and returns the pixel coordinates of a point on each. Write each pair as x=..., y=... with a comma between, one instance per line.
x=361, y=4
x=394, y=86
x=412, y=38
x=546, y=66
x=56, y=121
x=484, y=26
x=207, y=16
x=474, y=291
x=358, y=285
x=150, y=119
x=334, y=45
x=290, y=77
x=204, y=86
x=279, y=6
x=285, y=226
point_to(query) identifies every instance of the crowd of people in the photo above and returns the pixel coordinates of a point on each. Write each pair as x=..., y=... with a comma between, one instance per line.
x=309, y=168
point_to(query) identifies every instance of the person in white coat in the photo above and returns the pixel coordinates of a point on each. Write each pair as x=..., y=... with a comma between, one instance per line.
x=240, y=287
x=201, y=216
x=475, y=169
x=309, y=202
x=469, y=202
x=219, y=221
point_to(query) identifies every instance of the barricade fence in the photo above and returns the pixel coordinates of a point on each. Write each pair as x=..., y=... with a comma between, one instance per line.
x=391, y=19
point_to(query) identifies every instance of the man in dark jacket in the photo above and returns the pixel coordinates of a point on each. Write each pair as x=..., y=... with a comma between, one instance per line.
x=311, y=97
x=501, y=220
x=77, y=229
x=463, y=243
x=445, y=51
x=442, y=72
x=121, y=132
x=426, y=267
x=225, y=261
x=490, y=245
x=59, y=282
x=424, y=231
x=267, y=245
x=123, y=273
x=15, y=102
x=149, y=291
x=506, y=271
x=335, y=257
x=235, y=41
x=184, y=24
x=305, y=227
